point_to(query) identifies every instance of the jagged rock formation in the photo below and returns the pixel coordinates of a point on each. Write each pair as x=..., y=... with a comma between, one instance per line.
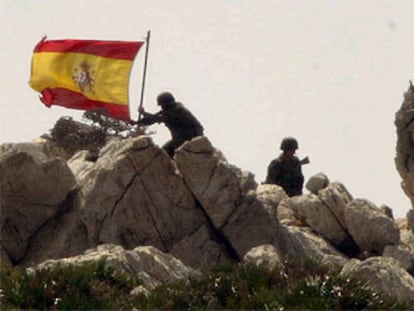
x=152, y=266
x=36, y=190
x=133, y=194
x=404, y=160
x=226, y=196
x=131, y=203
x=385, y=275
x=370, y=228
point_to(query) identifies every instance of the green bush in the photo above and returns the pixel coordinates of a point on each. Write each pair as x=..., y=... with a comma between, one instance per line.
x=92, y=286
x=304, y=285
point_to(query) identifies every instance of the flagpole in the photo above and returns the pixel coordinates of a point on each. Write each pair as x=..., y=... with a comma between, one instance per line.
x=144, y=75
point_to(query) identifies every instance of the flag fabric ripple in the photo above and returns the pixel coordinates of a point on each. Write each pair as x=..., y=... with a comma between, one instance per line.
x=84, y=74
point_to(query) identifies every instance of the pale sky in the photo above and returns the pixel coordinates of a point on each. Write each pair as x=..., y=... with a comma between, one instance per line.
x=330, y=73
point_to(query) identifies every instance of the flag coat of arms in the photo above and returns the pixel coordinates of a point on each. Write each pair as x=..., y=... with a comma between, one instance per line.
x=84, y=74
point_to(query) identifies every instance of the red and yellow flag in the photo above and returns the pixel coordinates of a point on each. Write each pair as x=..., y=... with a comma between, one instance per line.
x=84, y=74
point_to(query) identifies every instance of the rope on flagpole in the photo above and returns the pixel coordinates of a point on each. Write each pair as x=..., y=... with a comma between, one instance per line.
x=144, y=75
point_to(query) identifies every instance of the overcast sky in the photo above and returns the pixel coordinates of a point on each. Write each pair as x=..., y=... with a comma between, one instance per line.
x=330, y=73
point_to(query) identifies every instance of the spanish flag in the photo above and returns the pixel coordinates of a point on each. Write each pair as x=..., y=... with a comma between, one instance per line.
x=84, y=74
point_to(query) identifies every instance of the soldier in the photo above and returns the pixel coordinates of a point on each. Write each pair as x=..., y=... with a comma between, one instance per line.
x=286, y=170
x=183, y=125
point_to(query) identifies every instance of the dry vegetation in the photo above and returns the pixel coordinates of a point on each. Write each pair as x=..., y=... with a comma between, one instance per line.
x=69, y=136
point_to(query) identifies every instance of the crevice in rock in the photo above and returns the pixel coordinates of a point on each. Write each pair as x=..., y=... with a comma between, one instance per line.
x=178, y=203
x=232, y=212
x=153, y=218
x=118, y=200
x=64, y=207
x=217, y=235
x=242, y=199
x=209, y=177
x=147, y=164
x=348, y=247
x=128, y=186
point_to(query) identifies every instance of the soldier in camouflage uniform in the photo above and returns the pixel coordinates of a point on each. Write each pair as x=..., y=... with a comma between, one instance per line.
x=286, y=170
x=183, y=125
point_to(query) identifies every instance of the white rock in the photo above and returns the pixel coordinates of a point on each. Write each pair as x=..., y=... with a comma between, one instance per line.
x=369, y=227
x=34, y=189
x=152, y=266
x=317, y=182
x=303, y=243
x=263, y=256
x=270, y=196
x=384, y=275
x=319, y=216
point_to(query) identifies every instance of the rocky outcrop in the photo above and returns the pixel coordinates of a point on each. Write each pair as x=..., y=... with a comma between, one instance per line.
x=302, y=242
x=149, y=264
x=217, y=185
x=311, y=210
x=226, y=195
x=145, y=201
x=135, y=206
x=202, y=249
x=404, y=159
x=198, y=207
x=384, y=275
x=353, y=226
x=35, y=190
x=270, y=196
x=403, y=253
x=336, y=197
x=131, y=194
x=324, y=213
x=371, y=229
x=405, y=129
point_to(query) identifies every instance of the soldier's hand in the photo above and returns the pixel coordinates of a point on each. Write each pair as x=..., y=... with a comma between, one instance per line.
x=141, y=109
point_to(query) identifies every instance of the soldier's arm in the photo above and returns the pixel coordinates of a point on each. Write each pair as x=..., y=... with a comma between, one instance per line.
x=149, y=118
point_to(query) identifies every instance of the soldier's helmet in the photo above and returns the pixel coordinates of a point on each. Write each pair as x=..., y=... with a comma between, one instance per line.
x=289, y=143
x=165, y=99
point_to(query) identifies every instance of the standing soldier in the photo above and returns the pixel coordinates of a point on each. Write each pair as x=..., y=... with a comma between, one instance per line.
x=183, y=125
x=286, y=170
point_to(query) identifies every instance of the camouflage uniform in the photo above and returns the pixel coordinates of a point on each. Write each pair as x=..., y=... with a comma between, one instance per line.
x=286, y=170
x=182, y=124
x=287, y=173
